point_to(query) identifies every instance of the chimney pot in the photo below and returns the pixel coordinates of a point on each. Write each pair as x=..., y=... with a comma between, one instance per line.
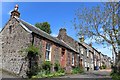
x=81, y=39
x=15, y=12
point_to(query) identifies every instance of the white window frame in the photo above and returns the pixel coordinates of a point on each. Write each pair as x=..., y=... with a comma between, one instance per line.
x=88, y=64
x=73, y=59
x=48, y=50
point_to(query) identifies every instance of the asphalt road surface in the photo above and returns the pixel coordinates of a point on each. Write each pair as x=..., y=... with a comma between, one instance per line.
x=91, y=74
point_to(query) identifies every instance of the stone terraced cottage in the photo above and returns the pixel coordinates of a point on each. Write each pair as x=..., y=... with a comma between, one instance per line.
x=18, y=34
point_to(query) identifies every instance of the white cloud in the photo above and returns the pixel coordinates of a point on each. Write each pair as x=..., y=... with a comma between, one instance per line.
x=54, y=35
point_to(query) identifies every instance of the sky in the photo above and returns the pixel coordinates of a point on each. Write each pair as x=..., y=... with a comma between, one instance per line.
x=57, y=14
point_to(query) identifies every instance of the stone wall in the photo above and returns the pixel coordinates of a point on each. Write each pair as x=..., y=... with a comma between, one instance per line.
x=69, y=62
x=41, y=42
x=15, y=39
x=0, y=51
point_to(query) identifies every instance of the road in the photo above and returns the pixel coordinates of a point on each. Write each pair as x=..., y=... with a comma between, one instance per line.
x=91, y=74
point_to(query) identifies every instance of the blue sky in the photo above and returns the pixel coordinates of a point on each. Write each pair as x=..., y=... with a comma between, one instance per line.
x=58, y=14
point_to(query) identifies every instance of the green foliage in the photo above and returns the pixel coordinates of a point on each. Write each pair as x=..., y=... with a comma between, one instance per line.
x=44, y=71
x=61, y=70
x=56, y=66
x=103, y=66
x=46, y=66
x=45, y=26
x=115, y=76
x=31, y=54
x=50, y=75
x=32, y=49
x=77, y=70
x=32, y=71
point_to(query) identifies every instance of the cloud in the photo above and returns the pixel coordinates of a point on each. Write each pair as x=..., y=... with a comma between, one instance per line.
x=54, y=35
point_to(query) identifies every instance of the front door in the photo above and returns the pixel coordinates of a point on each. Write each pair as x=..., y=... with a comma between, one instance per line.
x=81, y=61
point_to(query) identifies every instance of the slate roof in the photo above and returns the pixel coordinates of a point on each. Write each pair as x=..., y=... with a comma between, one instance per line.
x=87, y=46
x=33, y=29
x=74, y=43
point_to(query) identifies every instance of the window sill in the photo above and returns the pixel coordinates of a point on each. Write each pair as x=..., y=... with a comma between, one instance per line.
x=73, y=65
x=47, y=60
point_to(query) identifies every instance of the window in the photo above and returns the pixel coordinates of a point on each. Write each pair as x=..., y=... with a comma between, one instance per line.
x=10, y=29
x=62, y=57
x=91, y=55
x=63, y=52
x=85, y=63
x=88, y=64
x=81, y=50
x=87, y=52
x=48, y=52
x=73, y=58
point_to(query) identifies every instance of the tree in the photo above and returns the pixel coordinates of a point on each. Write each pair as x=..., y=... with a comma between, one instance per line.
x=99, y=23
x=45, y=26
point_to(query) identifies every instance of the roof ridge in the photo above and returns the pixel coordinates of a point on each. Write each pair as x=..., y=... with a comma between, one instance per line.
x=44, y=34
x=32, y=25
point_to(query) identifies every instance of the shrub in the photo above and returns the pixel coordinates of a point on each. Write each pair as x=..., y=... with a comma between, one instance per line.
x=61, y=70
x=50, y=75
x=77, y=70
x=32, y=49
x=56, y=66
x=103, y=66
x=115, y=76
x=32, y=55
x=46, y=66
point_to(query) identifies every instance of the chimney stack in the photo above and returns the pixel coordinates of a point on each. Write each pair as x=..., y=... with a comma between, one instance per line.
x=90, y=44
x=81, y=39
x=62, y=33
x=15, y=12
